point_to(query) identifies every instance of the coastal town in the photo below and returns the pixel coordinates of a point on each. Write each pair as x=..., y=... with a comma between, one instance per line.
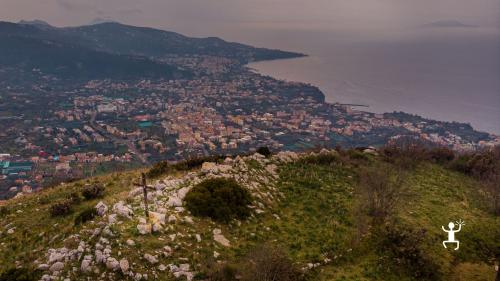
x=58, y=133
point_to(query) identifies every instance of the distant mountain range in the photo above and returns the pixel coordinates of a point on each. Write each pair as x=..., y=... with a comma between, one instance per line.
x=112, y=50
x=447, y=24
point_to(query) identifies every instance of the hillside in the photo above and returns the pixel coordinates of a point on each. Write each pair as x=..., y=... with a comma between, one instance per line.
x=112, y=51
x=144, y=41
x=308, y=217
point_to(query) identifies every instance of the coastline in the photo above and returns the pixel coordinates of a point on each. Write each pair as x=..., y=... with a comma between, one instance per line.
x=365, y=106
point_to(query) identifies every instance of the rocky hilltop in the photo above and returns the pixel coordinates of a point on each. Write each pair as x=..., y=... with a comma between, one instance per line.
x=311, y=206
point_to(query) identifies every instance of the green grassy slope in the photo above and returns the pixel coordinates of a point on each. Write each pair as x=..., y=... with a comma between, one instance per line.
x=313, y=213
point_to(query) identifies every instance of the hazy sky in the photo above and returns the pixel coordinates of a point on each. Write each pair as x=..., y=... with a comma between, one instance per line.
x=220, y=17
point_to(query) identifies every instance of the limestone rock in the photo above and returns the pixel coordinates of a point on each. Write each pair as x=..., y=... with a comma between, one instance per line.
x=112, y=219
x=172, y=219
x=157, y=217
x=144, y=228
x=123, y=210
x=85, y=266
x=219, y=238
x=113, y=264
x=208, y=167
x=43, y=266
x=124, y=266
x=151, y=259
x=58, y=266
x=174, y=201
x=101, y=208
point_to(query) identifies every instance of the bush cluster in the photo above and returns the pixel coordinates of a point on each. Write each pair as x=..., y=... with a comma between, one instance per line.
x=269, y=262
x=158, y=169
x=264, y=150
x=380, y=190
x=19, y=274
x=481, y=165
x=75, y=198
x=220, y=199
x=85, y=216
x=61, y=208
x=4, y=211
x=324, y=159
x=406, y=153
x=162, y=167
x=441, y=155
x=263, y=263
x=485, y=167
x=93, y=191
x=404, y=252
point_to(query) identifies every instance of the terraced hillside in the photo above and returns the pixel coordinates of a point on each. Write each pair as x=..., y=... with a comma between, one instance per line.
x=310, y=219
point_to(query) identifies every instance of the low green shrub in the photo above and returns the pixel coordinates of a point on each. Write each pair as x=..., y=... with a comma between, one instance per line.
x=441, y=155
x=85, y=216
x=214, y=271
x=4, y=211
x=323, y=159
x=197, y=162
x=61, y=208
x=309, y=183
x=19, y=274
x=220, y=199
x=482, y=165
x=380, y=190
x=75, y=198
x=355, y=154
x=263, y=263
x=93, y=191
x=269, y=262
x=158, y=169
x=264, y=150
x=403, y=251
x=406, y=152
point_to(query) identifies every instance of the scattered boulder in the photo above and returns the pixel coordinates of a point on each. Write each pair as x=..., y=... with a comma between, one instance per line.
x=370, y=151
x=85, y=266
x=99, y=256
x=151, y=259
x=112, y=264
x=209, y=167
x=101, y=208
x=172, y=219
x=157, y=217
x=43, y=266
x=124, y=266
x=123, y=210
x=58, y=266
x=181, y=193
x=136, y=191
x=174, y=201
x=219, y=238
x=57, y=255
x=112, y=219
x=144, y=228
x=160, y=186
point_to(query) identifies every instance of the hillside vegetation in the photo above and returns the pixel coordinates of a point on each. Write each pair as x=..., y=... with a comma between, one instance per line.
x=113, y=51
x=328, y=215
